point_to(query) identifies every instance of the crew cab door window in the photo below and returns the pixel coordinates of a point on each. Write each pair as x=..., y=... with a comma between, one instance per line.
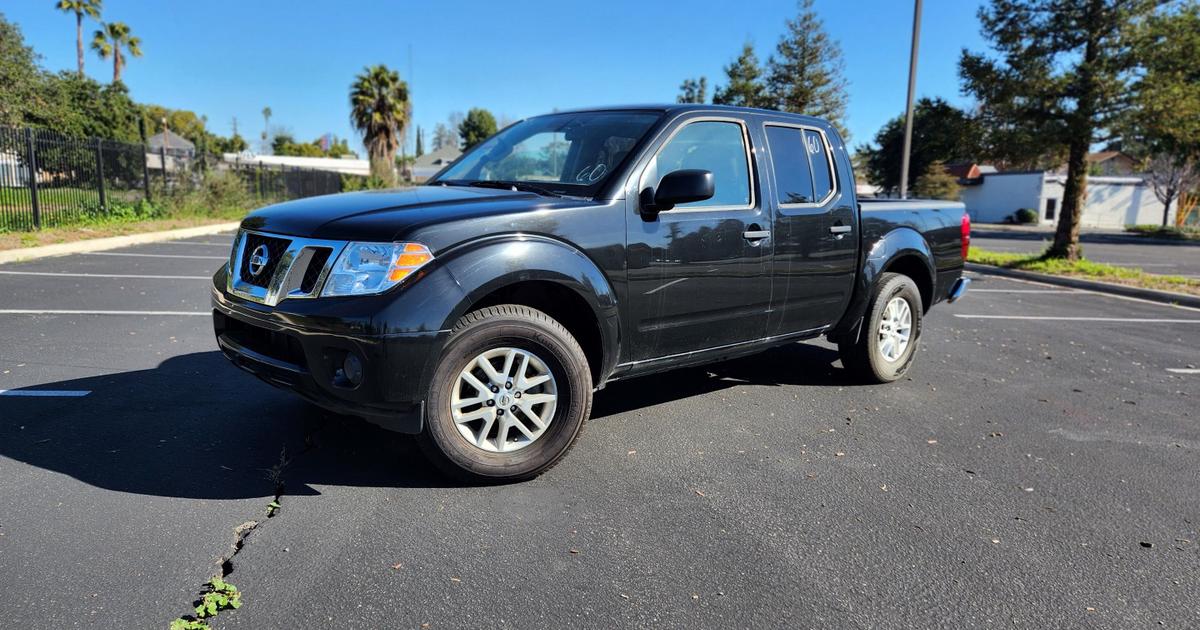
x=716, y=146
x=793, y=177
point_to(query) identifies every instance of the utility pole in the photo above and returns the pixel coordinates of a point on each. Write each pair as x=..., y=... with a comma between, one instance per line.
x=908, y=109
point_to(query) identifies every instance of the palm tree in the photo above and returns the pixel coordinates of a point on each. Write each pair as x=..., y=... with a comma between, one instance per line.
x=109, y=41
x=91, y=8
x=266, y=112
x=379, y=109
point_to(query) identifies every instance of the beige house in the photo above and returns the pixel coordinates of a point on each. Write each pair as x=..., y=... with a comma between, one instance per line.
x=1107, y=164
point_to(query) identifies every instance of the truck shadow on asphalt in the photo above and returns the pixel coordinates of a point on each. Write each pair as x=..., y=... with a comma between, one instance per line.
x=794, y=364
x=196, y=427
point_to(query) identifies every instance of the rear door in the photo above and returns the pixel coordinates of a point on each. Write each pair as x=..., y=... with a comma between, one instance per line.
x=815, y=224
x=697, y=274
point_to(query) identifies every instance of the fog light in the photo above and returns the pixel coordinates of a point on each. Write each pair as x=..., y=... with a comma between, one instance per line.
x=352, y=369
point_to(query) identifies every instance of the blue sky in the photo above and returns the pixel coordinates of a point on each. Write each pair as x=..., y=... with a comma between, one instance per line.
x=227, y=59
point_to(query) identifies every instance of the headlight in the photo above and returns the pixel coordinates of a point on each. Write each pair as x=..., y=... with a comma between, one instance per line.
x=365, y=268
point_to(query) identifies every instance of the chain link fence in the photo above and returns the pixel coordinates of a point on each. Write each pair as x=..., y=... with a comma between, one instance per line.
x=48, y=179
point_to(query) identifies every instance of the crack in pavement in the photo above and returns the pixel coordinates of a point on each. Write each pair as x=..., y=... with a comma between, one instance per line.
x=241, y=533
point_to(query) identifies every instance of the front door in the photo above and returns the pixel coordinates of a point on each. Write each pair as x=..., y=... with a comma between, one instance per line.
x=697, y=274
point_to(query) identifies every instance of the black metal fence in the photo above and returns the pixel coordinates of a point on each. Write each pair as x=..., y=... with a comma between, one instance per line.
x=48, y=179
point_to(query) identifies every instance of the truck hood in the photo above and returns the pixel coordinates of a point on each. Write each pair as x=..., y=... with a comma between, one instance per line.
x=388, y=215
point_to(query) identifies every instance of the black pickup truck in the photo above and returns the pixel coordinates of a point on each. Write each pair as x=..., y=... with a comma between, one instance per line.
x=483, y=309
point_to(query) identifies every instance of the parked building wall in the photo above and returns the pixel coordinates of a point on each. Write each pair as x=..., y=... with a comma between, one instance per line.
x=1000, y=195
x=1112, y=202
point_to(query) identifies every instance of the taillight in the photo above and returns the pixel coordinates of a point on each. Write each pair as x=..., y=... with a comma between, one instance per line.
x=966, y=235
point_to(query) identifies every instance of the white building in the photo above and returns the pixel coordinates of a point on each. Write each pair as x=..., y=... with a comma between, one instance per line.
x=1112, y=202
x=348, y=166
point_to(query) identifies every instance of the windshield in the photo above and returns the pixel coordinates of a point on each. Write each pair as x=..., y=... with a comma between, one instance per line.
x=569, y=154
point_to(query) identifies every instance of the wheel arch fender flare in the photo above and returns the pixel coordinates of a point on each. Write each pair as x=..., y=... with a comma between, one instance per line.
x=900, y=247
x=483, y=266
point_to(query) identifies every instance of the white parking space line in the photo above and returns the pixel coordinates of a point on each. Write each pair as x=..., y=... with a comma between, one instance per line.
x=63, y=274
x=155, y=255
x=1143, y=320
x=1024, y=291
x=1184, y=370
x=27, y=311
x=1129, y=298
x=230, y=244
x=46, y=393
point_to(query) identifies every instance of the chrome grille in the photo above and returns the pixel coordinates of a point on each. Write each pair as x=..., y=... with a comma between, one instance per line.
x=275, y=247
x=296, y=267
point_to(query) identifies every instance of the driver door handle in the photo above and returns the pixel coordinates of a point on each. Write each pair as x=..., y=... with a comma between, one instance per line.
x=840, y=229
x=755, y=235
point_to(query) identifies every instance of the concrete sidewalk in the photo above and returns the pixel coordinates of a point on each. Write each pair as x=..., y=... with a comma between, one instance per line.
x=112, y=242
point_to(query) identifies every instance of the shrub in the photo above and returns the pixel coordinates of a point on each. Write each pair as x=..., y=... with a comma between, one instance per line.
x=1185, y=232
x=1027, y=215
x=352, y=183
x=220, y=193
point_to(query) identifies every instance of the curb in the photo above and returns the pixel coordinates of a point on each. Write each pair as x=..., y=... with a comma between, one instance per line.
x=1101, y=238
x=111, y=242
x=1153, y=295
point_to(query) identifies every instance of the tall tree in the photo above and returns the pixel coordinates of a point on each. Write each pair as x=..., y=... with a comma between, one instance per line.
x=419, y=150
x=265, y=136
x=113, y=40
x=80, y=8
x=1165, y=119
x=444, y=136
x=744, y=87
x=693, y=91
x=379, y=109
x=478, y=126
x=805, y=75
x=19, y=74
x=1063, y=68
x=937, y=183
x=1170, y=177
x=941, y=133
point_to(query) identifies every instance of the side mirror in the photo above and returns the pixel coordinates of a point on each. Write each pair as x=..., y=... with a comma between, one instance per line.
x=683, y=186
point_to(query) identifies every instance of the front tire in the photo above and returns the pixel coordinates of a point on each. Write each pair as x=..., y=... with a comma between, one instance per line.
x=509, y=396
x=891, y=332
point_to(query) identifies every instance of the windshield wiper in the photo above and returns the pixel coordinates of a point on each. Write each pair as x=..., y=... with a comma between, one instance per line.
x=505, y=185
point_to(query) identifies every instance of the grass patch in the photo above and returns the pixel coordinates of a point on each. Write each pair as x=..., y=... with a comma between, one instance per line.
x=222, y=198
x=51, y=236
x=1185, y=233
x=1084, y=268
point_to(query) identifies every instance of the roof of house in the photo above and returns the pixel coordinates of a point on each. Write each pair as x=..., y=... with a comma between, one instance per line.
x=969, y=173
x=174, y=141
x=439, y=158
x=963, y=170
x=1104, y=156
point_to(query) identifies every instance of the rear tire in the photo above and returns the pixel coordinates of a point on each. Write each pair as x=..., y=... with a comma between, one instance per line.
x=508, y=398
x=890, y=335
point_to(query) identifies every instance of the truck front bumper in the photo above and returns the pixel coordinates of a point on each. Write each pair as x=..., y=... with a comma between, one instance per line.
x=382, y=378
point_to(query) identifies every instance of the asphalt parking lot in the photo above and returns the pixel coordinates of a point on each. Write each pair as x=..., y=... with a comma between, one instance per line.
x=1180, y=258
x=1040, y=468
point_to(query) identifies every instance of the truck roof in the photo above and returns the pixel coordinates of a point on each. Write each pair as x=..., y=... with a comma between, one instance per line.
x=682, y=108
